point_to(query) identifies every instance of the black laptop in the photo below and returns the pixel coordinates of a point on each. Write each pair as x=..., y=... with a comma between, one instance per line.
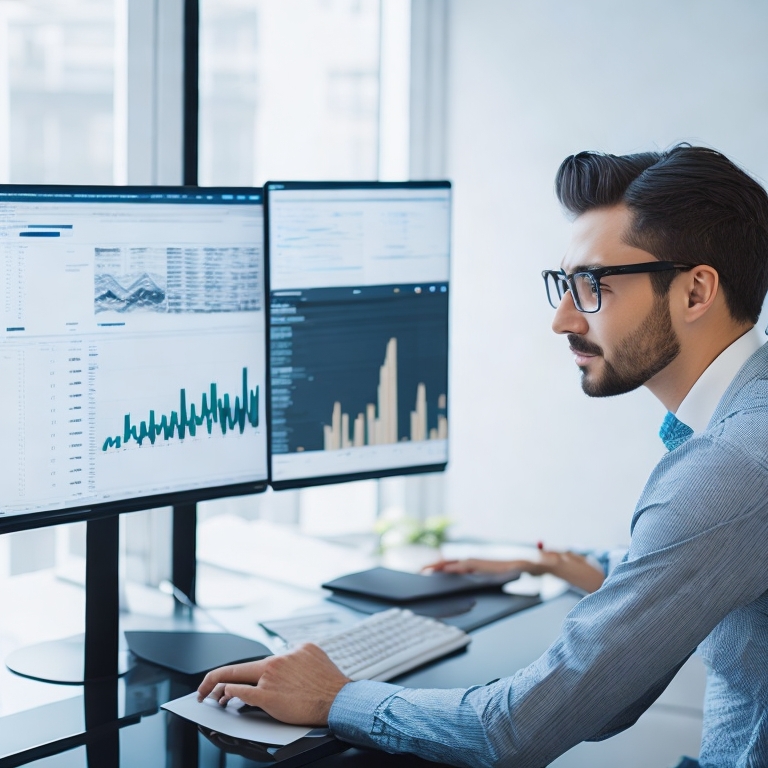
x=400, y=587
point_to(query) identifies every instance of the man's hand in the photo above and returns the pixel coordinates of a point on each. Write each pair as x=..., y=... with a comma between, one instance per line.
x=477, y=565
x=573, y=568
x=298, y=687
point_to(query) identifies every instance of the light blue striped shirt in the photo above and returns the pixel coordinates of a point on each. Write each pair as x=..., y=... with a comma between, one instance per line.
x=695, y=575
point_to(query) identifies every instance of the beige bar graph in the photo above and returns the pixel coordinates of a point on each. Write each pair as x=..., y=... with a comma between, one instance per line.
x=419, y=416
x=359, y=436
x=378, y=425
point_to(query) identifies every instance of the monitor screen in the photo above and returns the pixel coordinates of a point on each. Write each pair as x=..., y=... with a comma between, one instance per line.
x=358, y=321
x=132, y=349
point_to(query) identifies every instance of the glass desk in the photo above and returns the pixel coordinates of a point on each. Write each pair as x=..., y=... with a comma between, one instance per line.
x=120, y=724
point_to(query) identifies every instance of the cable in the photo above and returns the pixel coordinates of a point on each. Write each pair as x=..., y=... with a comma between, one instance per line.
x=169, y=588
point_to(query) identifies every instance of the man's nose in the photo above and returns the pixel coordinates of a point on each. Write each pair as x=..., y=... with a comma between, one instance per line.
x=568, y=319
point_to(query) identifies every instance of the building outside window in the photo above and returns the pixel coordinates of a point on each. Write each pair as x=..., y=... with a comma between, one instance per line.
x=57, y=91
x=289, y=90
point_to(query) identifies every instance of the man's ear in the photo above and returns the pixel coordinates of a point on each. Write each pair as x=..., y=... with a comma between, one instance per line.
x=702, y=286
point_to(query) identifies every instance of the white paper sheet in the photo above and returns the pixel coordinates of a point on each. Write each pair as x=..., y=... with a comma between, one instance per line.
x=253, y=726
x=308, y=627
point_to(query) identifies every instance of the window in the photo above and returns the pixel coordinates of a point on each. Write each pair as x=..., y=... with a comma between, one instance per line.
x=57, y=91
x=289, y=90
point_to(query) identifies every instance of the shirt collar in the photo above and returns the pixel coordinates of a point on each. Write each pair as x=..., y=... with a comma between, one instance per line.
x=699, y=404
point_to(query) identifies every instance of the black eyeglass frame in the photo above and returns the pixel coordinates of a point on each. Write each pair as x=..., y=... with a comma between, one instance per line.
x=560, y=278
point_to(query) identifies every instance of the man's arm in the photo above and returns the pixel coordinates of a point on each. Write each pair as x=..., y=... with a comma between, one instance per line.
x=572, y=567
x=699, y=535
x=693, y=559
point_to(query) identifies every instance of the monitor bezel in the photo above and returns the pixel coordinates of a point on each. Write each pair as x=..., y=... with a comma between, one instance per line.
x=28, y=520
x=308, y=482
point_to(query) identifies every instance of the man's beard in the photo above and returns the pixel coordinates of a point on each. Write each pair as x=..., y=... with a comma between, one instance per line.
x=646, y=351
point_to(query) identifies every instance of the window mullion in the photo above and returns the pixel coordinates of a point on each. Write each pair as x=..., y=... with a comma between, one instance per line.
x=5, y=98
x=149, y=97
x=429, y=43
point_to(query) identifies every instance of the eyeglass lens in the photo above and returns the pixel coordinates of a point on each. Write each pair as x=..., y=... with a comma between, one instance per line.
x=586, y=292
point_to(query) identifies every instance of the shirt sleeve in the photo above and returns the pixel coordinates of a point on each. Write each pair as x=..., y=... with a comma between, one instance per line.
x=606, y=559
x=697, y=552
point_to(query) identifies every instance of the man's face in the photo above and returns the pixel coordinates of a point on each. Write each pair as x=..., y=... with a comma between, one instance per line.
x=631, y=339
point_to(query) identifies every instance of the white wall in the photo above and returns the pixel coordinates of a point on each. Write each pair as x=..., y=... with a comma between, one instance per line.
x=531, y=81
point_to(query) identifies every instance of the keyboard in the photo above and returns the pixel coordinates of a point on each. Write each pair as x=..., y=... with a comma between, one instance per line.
x=391, y=643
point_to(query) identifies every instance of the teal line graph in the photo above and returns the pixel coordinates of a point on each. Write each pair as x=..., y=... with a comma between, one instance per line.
x=185, y=421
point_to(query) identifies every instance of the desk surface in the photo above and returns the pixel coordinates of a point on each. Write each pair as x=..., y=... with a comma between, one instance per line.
x=143, y=735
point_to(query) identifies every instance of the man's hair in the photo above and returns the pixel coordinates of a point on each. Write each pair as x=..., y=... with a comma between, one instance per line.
x=690, y=205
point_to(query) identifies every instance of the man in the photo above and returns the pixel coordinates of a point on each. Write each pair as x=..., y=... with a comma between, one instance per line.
x=661, y=285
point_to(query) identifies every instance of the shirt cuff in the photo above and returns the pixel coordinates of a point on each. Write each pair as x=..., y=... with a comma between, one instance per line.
x=353, y=712
x=606, y=560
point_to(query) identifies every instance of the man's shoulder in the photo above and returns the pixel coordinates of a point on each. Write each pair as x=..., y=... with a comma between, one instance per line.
x=741, y=421
x=748, y=391
x=713, y=479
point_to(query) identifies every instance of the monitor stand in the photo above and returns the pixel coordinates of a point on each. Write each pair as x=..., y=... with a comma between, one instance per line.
x=190, y=652
x=96, y=654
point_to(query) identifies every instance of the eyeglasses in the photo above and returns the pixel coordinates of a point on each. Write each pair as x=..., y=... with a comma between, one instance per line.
x=585, y=286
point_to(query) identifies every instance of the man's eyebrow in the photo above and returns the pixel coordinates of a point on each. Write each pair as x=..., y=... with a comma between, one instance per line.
x=585, y=268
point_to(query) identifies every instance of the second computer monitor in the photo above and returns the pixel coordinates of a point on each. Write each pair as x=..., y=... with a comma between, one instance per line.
x=358, y=318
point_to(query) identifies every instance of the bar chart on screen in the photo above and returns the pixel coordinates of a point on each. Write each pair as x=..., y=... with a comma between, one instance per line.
x=377, y=395
x=384, y=381
x=378, y=425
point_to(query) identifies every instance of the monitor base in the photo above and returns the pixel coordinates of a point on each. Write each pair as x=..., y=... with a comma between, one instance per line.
x=59, y=661
x=194, y=653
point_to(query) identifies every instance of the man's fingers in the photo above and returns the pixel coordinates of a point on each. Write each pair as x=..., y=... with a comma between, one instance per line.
x=249, y=672
x=216, y=693
x=456, y=566
x=248, y=694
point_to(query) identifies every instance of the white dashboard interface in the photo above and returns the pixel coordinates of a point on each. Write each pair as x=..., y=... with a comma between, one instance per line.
x=132, y=344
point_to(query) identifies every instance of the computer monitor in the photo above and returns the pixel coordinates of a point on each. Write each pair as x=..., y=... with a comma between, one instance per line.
x=132, y=349
x=358, y=279
x=132, y=364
